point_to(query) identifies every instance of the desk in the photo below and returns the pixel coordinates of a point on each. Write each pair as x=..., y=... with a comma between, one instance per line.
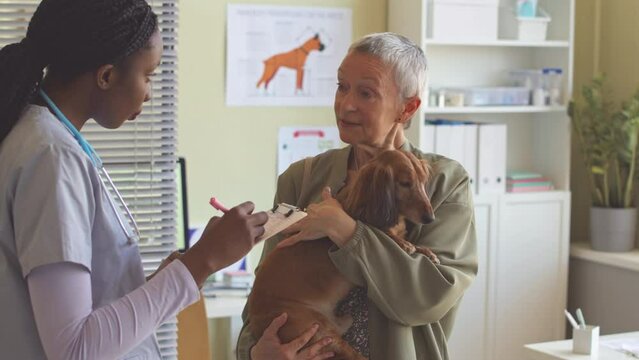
x=223, y=307
x=225, y=324
x=562, y=350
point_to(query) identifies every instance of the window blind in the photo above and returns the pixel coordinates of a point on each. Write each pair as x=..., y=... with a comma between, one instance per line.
x=141, y=155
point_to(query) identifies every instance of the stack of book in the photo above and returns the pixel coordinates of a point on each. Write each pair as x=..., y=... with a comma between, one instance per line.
x=523, y=181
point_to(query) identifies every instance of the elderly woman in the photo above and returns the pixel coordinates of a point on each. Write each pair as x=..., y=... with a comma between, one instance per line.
x=405, y=311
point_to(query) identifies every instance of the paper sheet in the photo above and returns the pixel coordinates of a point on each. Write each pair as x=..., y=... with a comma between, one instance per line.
x=280, y=219
x=629, y=346
x=298, y=142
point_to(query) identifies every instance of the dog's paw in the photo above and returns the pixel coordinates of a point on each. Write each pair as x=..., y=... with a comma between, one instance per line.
x=409, y=248
x=429, y=253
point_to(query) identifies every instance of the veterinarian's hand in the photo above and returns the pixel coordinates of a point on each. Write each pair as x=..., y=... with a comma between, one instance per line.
x=224, y=241
x=326, y=218
x=269, y=347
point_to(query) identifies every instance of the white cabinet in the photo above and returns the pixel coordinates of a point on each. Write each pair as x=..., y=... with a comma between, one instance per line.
x=470, y=334
x=531, y=272
x=520, y=292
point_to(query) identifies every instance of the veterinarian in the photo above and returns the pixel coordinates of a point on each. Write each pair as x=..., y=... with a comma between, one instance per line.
x=71, y=280
x=403, y=306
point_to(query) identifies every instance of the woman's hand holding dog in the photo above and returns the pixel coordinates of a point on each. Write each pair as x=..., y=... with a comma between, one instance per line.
x=324, y=219
x=269, y=347
x=328, y=218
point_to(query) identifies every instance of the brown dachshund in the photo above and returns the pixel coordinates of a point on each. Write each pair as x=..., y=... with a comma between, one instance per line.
x=294, y=59
x=302, y=281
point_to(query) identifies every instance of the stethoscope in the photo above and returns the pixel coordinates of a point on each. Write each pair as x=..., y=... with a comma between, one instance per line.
x=97, y=162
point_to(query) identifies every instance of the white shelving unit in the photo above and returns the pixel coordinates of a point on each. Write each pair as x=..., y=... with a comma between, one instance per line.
x=523, y=239
x=494, y=109
x=505, y=43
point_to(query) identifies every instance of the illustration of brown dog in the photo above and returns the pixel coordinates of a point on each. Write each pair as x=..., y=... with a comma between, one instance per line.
x=294, y=59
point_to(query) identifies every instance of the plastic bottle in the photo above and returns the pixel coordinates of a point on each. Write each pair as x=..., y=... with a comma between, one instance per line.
x=432, y=98
x=441, y=99
x=552, y=80
x=526, y=8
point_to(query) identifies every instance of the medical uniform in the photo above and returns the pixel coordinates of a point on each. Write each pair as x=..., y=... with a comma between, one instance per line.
x=55, y=209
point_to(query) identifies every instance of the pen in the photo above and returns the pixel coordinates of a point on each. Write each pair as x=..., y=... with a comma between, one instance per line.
x=580, y=317
x=571, y=319
x=216, y=204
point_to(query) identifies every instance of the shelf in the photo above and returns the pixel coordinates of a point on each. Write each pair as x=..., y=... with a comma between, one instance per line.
x=501, y=43
x=494, y=109
x=623, y=260
x=531, y=197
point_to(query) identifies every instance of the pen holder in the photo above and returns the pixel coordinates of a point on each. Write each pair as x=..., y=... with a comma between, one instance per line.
x=585, y=340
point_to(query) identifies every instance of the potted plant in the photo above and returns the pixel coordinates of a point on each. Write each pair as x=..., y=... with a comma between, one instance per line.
x=609, y=138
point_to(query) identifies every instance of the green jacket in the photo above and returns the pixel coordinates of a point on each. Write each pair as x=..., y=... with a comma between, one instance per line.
x=412, y=302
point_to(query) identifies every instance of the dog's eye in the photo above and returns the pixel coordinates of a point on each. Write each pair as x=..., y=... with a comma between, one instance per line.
x=405, y=184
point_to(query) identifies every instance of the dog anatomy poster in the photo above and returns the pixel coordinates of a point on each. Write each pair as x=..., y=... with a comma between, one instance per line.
x=283, y=55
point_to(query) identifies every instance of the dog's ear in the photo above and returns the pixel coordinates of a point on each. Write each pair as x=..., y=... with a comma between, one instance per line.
x=421, y=166
x=426, y=166
x=372, y=198
x=424, y=171
x=317, y=36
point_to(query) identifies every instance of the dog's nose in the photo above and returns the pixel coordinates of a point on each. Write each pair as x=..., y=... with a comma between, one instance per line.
x=427, y=218
x=321, y=47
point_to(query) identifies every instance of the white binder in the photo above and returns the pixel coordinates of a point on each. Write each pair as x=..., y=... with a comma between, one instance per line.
x=469, y=161
x=459, y=142
x=491, y=164
x=427, y=138
x=449, y=141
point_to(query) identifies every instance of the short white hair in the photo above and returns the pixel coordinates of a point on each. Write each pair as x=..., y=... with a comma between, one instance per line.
x=406, y=59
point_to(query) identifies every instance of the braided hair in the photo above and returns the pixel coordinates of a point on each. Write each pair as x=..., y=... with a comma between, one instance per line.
x=69, y=37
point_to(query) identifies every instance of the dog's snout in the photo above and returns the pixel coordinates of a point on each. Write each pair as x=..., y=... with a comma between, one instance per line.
x=321, y=48
x=427, y=218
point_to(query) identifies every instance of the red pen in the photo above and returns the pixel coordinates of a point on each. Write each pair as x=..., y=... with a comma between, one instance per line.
x=216, y=204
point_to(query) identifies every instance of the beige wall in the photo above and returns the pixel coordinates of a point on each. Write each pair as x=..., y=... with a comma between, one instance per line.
x=619, y=55
x=606, y=40
x=231, y=151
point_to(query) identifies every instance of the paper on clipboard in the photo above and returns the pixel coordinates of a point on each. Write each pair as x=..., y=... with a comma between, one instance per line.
x=279, y=218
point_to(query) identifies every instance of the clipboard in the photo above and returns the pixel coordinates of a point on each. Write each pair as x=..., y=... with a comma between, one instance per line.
x=280, y=217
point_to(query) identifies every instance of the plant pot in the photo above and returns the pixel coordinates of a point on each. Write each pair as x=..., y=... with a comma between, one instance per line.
x=613, y=229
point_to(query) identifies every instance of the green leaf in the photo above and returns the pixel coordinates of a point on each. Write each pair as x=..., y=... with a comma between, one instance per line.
x=609, y=138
